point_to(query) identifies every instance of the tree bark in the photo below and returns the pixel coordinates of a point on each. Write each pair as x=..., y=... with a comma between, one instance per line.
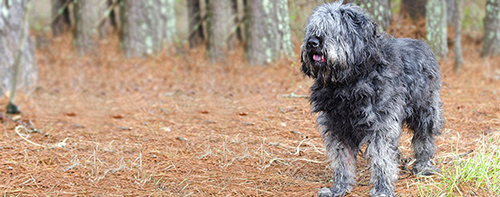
x=413, y=8
x=491, y=43
x=147, y=26
x=457, y=25
x=87, y=17
x=380, y=11
x=451, y=12
x=15, y=41
x=196, y=36
x=221, y=36
x=268, y=31
x=436, y=27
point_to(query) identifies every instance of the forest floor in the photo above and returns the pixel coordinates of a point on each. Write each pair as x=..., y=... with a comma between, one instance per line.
x=176, y=125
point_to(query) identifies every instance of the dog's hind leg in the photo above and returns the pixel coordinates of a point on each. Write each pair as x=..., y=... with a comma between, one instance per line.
x=343, y=164
x=426, y=123
x=383, y=153
x=424, y=148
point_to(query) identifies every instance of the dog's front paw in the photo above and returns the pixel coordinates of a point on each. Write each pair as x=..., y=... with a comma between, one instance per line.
x=425, y=170
x=325, y=192
x=382, y=190
x=381, y=193
x=333, y=192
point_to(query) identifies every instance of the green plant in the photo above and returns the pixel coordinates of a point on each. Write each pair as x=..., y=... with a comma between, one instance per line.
x=479, y=172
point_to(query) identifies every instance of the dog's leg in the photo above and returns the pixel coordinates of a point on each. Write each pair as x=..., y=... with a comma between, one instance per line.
x=426, y=124
x=383, y=153
x=343, y=164
x=424, y=148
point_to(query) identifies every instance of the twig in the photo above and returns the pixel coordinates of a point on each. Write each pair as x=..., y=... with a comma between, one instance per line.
x=297, y=152
x=31, y=129
x=60, y=11
x=293, y=95
x=197, y=25
x=106, y=14
x=451, y=162
x=50, y=146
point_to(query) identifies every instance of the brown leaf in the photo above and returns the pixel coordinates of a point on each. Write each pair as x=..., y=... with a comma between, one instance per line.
x=242, y=113
x=204, y=112
x=117, y=116
x=70, y=113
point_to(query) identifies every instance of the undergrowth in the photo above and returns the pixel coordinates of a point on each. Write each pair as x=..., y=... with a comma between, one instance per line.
x=474, y=175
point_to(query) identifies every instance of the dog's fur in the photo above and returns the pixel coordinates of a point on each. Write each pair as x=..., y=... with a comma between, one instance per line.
x=367, y=86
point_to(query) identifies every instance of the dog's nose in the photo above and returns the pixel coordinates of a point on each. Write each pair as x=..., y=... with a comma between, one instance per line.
x=313, y=42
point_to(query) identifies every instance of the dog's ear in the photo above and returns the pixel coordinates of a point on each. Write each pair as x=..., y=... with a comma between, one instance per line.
x=371, y=28
x=363, y=23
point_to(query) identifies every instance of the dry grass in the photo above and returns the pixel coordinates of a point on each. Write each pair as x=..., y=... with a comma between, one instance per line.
x=175, y=125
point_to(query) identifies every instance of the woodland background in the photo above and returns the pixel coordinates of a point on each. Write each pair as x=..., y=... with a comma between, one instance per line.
x=206, y=98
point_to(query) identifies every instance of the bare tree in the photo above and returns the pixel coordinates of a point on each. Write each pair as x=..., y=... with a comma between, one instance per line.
x=436, y=27
x=60, y=16
x=112, y=12
x=221, y=36
x=238, y=7
x=17, y=51
x=147, y=26
x=195, y=23
x=491, y=43
x=413, y=8
x=379, y=10
x=268, y=31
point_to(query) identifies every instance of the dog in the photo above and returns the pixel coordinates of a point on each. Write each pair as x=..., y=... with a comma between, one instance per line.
x=367, y=86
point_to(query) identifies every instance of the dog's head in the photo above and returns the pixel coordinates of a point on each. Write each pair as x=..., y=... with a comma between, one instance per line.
x=336, y=40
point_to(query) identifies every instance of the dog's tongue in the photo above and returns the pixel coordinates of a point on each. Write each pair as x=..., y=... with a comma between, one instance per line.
x=318, y=58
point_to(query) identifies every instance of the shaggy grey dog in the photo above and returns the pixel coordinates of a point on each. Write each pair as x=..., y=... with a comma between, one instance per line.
x=367, y=86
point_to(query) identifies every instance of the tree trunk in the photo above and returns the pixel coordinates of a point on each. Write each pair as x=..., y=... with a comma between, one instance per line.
x=268, y=27
x=237, y=7
x=491, y=43
x=457, y=26
x=436, y=27
x=87, y=17
x=451, y=12
x=15, y=41
x=195, y=23
x=60, y=15
x=221, y=36
x=380, y=11
x=413, y=8
x=147, y=26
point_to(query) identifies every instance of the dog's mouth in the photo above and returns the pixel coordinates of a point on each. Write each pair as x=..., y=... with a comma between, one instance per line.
x=318, y=58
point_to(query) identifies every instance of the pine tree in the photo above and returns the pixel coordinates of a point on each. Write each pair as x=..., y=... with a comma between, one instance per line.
x=268, y=31
x=436, y=27
x=491, y=43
